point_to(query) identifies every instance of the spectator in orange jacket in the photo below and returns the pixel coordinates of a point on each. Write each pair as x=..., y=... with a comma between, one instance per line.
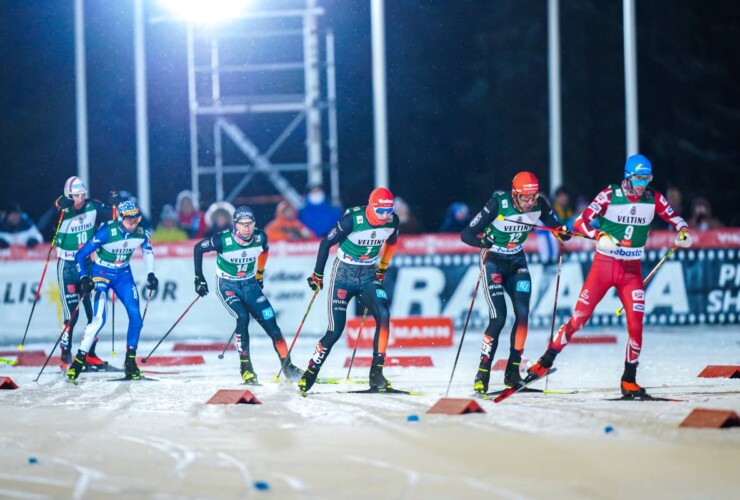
x=286, y=226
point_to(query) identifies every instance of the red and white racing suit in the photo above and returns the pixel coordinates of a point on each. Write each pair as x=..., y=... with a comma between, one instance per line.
x=613, y=271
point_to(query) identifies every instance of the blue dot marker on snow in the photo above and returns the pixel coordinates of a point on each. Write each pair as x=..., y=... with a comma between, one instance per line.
x=608, y=429
x=261, y=485
x=412, y=418
x=33, y=460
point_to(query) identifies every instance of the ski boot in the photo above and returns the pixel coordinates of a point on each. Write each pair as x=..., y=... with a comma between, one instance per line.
x=541, y=367
x=480, y=385
x=131, y=371
x=74, y=370
x=292, y=372
x=511, y=375
x=629, y=386
x=92, y=362
x=307, y=379
x=377, y=380
x=247, y=371
x=66, y=359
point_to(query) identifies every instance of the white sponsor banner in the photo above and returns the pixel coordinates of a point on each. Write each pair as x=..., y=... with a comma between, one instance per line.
x=285, y=288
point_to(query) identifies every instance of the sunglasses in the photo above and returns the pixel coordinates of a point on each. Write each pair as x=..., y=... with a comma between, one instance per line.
x=383, y=211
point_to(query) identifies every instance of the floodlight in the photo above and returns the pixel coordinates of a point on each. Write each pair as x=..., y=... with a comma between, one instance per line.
x=205, y=11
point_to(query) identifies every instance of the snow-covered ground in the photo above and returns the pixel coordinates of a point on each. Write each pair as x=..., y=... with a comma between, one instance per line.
x=160, y=439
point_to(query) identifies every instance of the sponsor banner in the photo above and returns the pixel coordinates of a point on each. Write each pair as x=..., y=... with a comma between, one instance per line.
x=405, y=332
x=692, y=287
x=423, y=244
x=695, y=286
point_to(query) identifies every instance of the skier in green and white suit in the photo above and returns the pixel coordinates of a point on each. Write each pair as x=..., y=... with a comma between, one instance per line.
x=367, y=237
x=240, y=267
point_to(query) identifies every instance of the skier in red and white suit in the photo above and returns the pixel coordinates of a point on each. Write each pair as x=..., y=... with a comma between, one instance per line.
x=625, y=212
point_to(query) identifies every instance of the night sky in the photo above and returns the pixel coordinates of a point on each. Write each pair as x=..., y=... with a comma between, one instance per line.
x=467, y=99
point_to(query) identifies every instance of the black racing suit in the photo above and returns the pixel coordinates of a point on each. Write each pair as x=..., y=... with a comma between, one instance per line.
x=345, y=282
x=504, y=273
x=243, y=298
x=69, y=282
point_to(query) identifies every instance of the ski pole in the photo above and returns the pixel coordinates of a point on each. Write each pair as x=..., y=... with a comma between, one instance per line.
x=59, y=339
x=144, y=360
x=357, y=342
x=226, y=345
x=545, y=228
x=300, y=327
x=555, y=304
x=41, y=281
x=467, y=320
x=146, y=307
x=113, y=324
x=652, y=273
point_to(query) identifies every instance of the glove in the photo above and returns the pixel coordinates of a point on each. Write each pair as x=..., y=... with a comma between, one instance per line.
x=563, y=234
x=86, y=285
x=683, y=239
x=316, y=281
x=64, y=202
x=606, y=242
x=259, y=276
x=152, y=282
x=201, y=286
x=31, y=243
x=380, y=274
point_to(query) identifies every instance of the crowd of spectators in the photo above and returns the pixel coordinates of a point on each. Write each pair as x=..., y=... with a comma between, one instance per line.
x=184, y=220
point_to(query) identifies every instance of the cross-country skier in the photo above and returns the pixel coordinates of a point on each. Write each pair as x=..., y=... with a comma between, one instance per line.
x=114, y=243
x=81, y=218
x=500, y=230
x=240, y=267
x=624, y=212
x=367, y=237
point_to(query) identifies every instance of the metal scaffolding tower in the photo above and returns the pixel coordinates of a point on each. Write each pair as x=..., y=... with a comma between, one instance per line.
x=254, y=84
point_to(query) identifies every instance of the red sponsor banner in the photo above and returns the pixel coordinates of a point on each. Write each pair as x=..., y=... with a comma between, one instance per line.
x=392, y=361
x=405, y=332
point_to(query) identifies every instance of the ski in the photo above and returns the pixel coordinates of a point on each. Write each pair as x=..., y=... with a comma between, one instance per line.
x=646, y=397
x=142, y=379
x=522, y=385
x=493, y=394
x=375, y=390
x=107, y=368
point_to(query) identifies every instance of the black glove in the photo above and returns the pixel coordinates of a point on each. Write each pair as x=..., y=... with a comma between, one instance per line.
x=201, y=286
x=86, y=285
x=380, y=274
x=152, y=281
x=31, y=243
x=316, y=281
x=64, y=202
x=562, y=234
x=259, y=276
x=4, y=244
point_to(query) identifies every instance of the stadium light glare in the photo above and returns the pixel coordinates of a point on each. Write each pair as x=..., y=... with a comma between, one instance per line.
x=205, y=11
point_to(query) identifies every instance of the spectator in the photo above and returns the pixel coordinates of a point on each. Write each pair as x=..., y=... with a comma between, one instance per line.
x=17, y=228
x=701, y=216
x=317, y=213
x=191, y=219
x=168, y=230
x=561, y=204
x=219, y=216
x=408, y=222
x=456, y=219
x=286, y=226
